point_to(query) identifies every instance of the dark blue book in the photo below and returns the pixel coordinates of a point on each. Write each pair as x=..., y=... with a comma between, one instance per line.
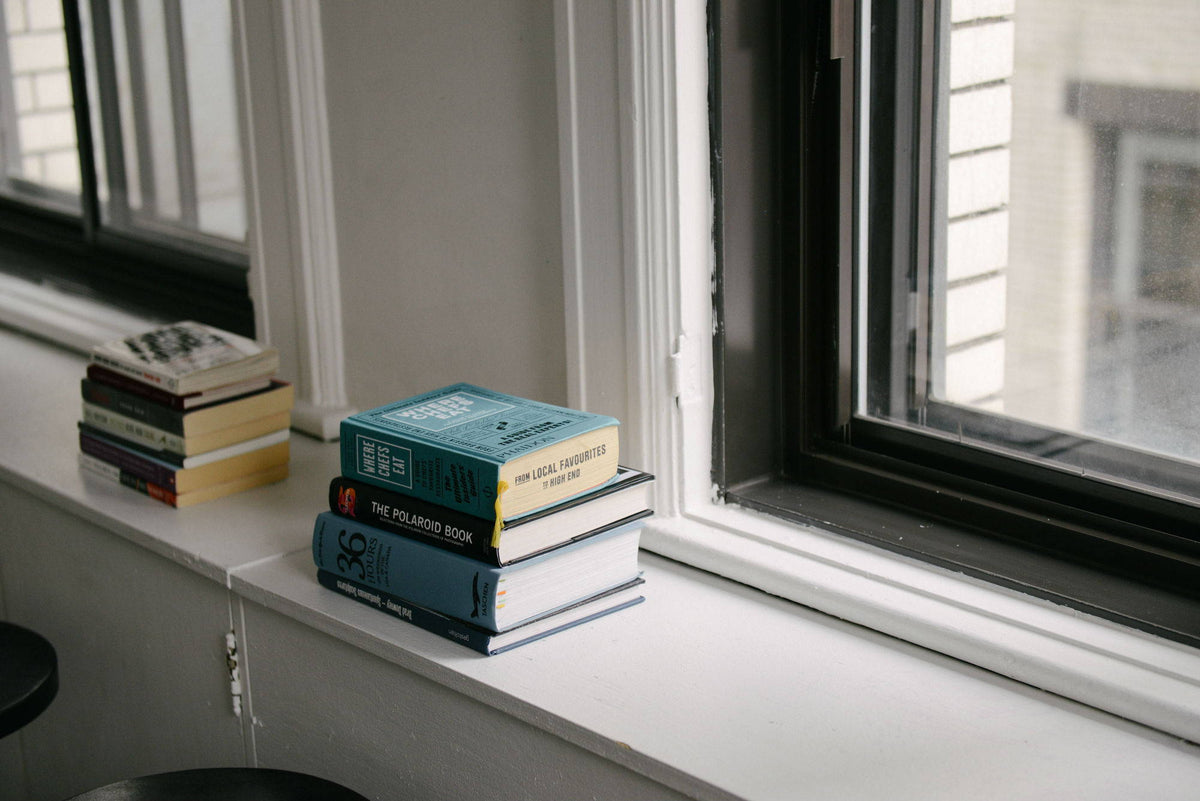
x=478, y=638
x=494, y=598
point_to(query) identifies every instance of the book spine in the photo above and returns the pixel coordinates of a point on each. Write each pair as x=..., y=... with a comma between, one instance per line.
x=102, y=468
x=424, y=575
x=138, y=372
x=133, y=406
x=127, y=461
x=431, y=473
x=176, y=460
x=102, y=375
x=411, y=517
x=440, y=625
x=132, y=430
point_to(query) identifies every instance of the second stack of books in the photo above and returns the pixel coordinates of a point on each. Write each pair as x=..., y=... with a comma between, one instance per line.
x=485, y=518
x=185, y=413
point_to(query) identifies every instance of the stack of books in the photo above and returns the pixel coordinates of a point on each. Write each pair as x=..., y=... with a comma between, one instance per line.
x=185, y=413
x=488, y=519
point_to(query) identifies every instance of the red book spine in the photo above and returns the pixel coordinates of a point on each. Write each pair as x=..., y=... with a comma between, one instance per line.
x=113, y=379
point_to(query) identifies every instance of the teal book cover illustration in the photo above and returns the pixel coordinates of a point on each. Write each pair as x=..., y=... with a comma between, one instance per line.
x=483, y=452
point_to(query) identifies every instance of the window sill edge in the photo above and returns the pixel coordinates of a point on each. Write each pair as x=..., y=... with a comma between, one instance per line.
x=73, y=322
x=1139, y=677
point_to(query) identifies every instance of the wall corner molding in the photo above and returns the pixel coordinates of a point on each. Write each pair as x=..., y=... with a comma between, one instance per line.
x=617, y=144
x=294, y=278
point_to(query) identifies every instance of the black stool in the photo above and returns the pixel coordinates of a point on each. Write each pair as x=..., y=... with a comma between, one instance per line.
x=222, y=784
x=28, y=676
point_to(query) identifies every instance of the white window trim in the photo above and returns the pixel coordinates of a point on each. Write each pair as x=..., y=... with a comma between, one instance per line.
x=73, y=321
x=294, y=278
x=638, y=250
x=650, y=242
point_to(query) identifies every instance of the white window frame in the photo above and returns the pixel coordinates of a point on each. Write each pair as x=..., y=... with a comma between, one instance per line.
x=644, y=233
x=638, y=262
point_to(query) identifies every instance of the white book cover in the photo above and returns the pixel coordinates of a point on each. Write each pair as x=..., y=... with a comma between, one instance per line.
x=187, y=357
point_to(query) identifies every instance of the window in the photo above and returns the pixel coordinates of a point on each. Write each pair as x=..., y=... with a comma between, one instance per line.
x=957, y=246
x=122, y=157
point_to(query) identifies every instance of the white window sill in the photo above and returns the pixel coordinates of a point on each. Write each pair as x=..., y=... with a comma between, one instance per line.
x=76, y=323
x=71, y=321
x=710, y=687
x=1147, y=679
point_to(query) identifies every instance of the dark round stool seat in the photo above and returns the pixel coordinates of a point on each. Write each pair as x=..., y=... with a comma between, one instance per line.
x=222, y=784
x=28, y=676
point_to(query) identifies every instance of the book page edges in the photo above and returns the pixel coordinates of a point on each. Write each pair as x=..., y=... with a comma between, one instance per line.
x=519, y=488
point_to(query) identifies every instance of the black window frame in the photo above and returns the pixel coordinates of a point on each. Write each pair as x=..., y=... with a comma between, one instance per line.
x=168, y=278
x=785, y=440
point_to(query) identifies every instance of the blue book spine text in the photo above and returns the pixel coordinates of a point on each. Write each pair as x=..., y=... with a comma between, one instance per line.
x=425, y=575
x=476, y=639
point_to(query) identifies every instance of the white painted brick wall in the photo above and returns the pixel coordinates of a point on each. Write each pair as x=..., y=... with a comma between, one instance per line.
x=52, y=90
x=967, y=10
x=978, y=182
x=37, y=52
x=60, y=168
x=980, y=118
x=45, y=15
x=15, y=16
x=45, y=132
x=977, y=245
x=979, y=134
x=981, y=54
x=975, y=373
x=31, y=168
x=23, y=93
x=45, y=127
x=975, y=310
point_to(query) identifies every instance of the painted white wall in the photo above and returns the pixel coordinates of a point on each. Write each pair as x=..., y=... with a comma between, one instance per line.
x=443, y=141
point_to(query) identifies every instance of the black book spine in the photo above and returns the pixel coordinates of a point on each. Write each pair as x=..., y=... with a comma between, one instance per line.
x=133, y=407
x=103, y=375
x=128, y=462
x=170, y=457
x=414, y=518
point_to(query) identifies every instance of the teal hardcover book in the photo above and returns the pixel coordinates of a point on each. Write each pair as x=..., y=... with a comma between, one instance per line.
x=486, y=453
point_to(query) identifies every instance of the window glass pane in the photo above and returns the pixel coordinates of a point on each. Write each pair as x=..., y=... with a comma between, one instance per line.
x=164, y=77
x=1063, y=287
x=37, y=125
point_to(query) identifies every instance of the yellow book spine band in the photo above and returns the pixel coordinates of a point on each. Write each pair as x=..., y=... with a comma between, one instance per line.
x=501, y=488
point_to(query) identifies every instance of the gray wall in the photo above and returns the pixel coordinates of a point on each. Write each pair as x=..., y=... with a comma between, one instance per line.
x=444, y=140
